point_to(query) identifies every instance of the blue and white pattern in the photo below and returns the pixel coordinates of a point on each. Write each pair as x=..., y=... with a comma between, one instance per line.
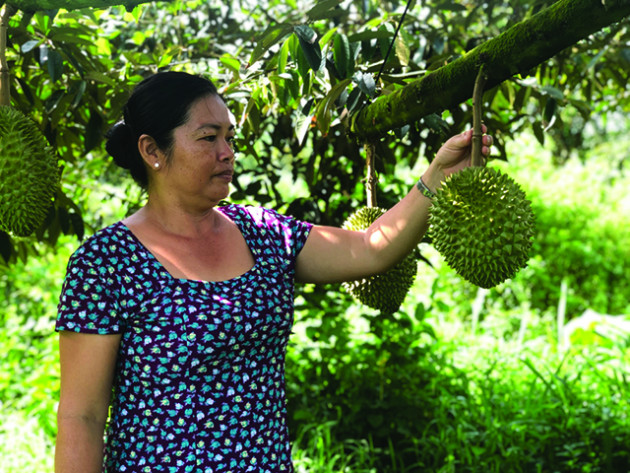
x=199, y=384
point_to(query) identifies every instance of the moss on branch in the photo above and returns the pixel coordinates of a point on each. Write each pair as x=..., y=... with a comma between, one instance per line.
x=516, y=50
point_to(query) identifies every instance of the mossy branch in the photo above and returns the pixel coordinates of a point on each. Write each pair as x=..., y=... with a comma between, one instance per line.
x=517, y=50
x=477, y=138
x=6, y=12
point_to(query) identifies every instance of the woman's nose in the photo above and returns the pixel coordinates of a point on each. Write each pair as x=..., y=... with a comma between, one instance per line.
x=227, y=150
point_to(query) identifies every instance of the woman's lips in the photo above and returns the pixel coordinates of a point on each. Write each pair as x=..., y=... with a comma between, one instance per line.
x=226, y=175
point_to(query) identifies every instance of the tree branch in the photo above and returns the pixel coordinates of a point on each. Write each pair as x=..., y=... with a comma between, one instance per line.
x=516, y=50
x=5, y=88
x=477, y=138
x=371, y=180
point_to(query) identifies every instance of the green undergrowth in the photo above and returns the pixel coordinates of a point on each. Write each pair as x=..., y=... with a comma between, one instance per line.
x=468, y=403
x=459, y=380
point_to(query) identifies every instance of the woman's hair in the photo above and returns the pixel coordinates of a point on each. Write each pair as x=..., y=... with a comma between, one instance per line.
x=157, y=106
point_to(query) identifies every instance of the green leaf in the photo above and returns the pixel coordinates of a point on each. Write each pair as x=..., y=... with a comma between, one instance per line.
x=283, y=56
x=451, y=6
x=596, y=59
x=77, y=224
x=366, y=83
x=549, y=113
x=302, y=125
x=253, y=115
x=54, y=99
x=353, y=102
x=522, y=94
x=137, y=12
x=552, y=92
x=301, y=62
x=326, y=38
x=293, y=84
x=29, y=46
x=64, y=219
x=78, y=89
x=344, y=62
x=310, y=47
x=231, y=63
x=507, y=89
x=100, y=77
x=436, y=123
x=66, y=34
x=54, y=230
x=272, y=35
x=369, y=35
x=384, y=42
x=325, y=107
x=305, y=33
x=324, y=9
x=539, y=132
x=93, y=131
x=402, y=51
x=55, y=65
x=165, y=57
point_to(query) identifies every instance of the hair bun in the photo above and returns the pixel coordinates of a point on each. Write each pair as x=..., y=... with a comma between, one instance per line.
x=122, y=146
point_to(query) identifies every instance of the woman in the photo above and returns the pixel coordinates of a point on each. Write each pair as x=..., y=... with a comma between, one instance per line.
x=184, y=309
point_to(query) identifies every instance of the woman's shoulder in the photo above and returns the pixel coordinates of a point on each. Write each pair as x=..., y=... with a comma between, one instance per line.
x=269, y=227
x=107, y=241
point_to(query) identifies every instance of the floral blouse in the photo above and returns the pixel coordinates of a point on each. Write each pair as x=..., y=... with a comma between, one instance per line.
x=199, y=382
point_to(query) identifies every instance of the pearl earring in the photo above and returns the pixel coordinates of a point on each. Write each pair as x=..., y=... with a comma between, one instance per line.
x=156, y=165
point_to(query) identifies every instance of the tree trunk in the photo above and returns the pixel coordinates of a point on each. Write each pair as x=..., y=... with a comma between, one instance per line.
x=38, y=5
x=516, y=50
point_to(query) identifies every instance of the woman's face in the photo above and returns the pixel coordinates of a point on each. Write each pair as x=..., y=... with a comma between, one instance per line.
x=201, y=163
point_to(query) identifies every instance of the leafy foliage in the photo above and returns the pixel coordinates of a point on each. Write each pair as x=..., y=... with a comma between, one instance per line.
x=293, y=73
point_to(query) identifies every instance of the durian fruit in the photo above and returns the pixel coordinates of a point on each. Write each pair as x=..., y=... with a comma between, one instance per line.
x=482, y=224
x=29, y=173
x=385, y=291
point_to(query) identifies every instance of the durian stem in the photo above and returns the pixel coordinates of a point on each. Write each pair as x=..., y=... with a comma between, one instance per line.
x=371, y=179
x=477, y=158
x=5, y=91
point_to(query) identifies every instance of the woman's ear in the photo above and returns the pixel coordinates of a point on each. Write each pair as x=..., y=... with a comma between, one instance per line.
x=150, y=151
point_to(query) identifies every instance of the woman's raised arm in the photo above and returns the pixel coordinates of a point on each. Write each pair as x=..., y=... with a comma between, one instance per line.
x=333, y=254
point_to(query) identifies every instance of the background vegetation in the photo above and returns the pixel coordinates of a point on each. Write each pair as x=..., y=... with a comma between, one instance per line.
x=459, y=379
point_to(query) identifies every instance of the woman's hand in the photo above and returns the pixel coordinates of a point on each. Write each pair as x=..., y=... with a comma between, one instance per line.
x=453, y=156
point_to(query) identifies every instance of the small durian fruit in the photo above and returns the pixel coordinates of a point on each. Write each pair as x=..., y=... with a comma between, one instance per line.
x=482, y=224
x=29, y=173
x=385, y=291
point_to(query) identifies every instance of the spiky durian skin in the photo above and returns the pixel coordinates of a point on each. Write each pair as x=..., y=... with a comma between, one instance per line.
x=482, y=224
x=29, y=173
x=386, y=291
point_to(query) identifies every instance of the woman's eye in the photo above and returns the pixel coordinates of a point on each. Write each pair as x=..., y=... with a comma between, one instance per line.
x=210, y=138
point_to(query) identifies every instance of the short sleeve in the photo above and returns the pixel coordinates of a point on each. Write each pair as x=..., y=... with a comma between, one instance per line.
x=89, y=298
x=294, y=231
x=276, y=235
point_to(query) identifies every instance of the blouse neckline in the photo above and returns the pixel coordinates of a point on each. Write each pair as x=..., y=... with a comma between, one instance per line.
x=235, y=217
